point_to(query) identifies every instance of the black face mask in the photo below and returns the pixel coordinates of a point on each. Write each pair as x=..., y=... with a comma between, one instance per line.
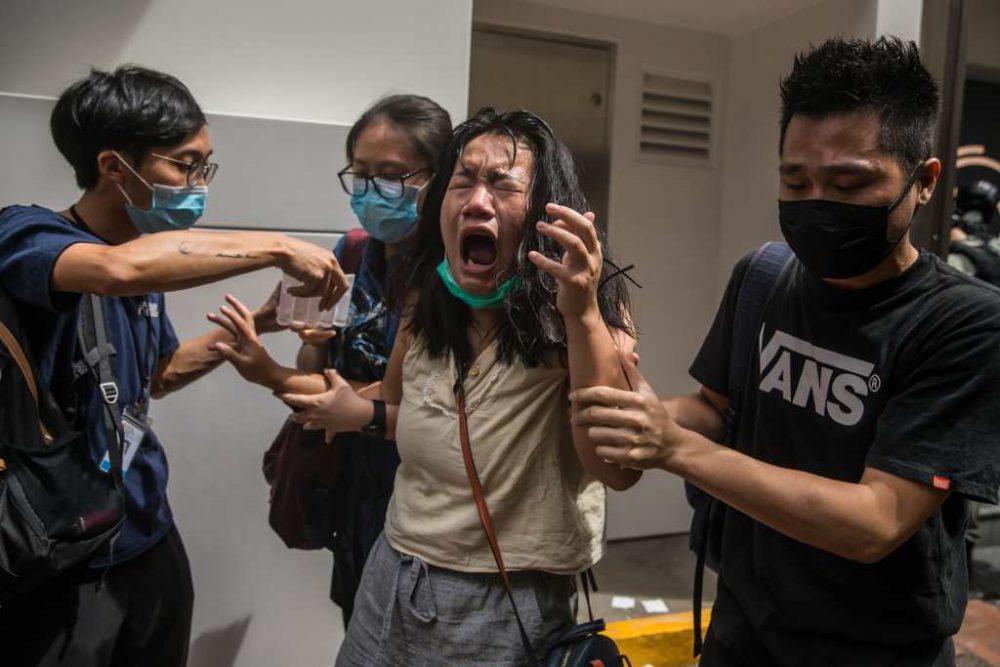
x=838, y=240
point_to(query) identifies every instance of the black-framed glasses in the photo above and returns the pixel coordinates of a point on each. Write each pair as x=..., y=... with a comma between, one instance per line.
x=388, y=187
x=202, y=169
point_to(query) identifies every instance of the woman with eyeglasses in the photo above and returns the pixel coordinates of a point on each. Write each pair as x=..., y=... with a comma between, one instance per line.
x=510, y=303
x=391, y=151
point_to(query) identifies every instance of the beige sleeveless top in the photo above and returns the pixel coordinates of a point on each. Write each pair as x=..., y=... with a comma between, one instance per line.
x=548, y=514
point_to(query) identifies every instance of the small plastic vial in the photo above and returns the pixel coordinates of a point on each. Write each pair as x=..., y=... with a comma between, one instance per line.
x=304, y=312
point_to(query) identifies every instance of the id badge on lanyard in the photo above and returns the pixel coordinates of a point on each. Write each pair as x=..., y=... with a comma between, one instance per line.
x=134, y=430
x=135, y=423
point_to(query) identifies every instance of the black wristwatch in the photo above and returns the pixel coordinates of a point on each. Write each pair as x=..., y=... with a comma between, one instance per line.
x=377, y=425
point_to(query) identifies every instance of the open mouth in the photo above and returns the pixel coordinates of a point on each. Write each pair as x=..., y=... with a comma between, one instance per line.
x=479, y=250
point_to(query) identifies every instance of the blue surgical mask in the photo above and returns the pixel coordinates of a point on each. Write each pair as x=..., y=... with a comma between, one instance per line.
x=172, y=207
x=388, y=220
x=474, y=301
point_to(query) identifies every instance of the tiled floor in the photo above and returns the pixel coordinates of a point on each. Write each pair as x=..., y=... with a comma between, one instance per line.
x=978, y=643
x=662, y=568
x=649, y=569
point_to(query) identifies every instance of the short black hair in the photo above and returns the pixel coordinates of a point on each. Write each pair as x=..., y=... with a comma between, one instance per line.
x=425, y=123
x=532, y=325
x=884, y=77
x=131, y=109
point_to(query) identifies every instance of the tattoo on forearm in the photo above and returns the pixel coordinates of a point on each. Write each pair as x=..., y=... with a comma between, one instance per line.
x=185, y=249
x=236, y=255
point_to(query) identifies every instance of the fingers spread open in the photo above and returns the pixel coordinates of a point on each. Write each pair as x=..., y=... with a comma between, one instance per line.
x=567, y=238
x=224, y=323
x=582, y=225
x=549, y=266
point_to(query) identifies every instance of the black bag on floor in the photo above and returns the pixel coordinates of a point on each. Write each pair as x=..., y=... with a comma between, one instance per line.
x=56, y=507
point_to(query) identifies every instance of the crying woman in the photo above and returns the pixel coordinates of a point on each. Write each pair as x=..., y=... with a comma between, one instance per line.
x=504, y=312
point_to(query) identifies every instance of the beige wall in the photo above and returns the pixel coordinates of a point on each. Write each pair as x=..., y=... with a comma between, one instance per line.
x=983, y=47
x=758, y=61
x=664, y=218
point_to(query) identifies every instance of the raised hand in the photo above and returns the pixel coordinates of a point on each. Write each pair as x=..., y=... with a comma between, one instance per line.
x=248, y=356
x=579, y=271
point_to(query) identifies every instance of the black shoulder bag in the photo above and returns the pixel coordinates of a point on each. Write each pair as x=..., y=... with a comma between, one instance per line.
x=56, y=507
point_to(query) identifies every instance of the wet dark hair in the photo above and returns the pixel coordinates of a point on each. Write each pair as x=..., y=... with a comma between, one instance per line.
x=131, y=110
x=421, y=119
x=532, y=325
x=884, y=77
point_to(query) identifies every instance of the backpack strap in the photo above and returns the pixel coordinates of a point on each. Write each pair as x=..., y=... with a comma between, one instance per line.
x=355, y=242
x=763, y=274
x=9, y=341
x=767, y=267
x=97, y=352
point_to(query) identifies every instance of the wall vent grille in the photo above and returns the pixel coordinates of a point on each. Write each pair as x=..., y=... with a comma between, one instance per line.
x=677, y=117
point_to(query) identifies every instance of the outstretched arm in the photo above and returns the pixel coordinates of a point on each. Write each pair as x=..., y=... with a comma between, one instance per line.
x=169, y=261
x=862, y=521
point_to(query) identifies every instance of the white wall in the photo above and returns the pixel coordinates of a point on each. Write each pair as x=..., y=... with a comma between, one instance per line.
x=901, y=18
x=322, y=60
x=257, y=603
x=664, y=218
x=758, y=60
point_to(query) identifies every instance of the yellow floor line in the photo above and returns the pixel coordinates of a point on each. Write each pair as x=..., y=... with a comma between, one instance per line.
x=666, y=640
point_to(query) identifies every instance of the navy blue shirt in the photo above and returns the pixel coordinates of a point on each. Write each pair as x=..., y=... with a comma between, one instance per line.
x=31, y=240
x=361, y=350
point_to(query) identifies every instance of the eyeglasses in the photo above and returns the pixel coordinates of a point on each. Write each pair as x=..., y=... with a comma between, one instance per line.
x=388, y=187
x=199, y=170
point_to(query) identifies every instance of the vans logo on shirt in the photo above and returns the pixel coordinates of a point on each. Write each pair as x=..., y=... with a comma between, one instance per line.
x=834, y=383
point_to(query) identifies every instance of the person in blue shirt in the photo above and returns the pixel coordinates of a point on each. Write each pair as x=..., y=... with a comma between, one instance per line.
x=139, y=145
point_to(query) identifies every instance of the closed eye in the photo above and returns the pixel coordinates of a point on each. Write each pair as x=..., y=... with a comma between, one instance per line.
x=508, y=184
x=849, y=187
x=458, y=182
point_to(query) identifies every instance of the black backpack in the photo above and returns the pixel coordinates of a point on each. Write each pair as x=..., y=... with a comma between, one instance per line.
x=768, y=264
x=56, y=507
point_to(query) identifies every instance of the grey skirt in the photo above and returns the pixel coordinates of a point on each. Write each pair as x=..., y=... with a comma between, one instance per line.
x=410, y=613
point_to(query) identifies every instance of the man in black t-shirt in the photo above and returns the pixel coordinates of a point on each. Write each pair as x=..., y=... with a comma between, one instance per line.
x=869, y=410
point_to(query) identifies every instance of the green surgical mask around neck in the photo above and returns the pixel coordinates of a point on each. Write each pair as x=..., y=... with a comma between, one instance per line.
x=494, y=300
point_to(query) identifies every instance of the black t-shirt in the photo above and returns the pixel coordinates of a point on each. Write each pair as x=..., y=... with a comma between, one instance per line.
x=903, y=377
